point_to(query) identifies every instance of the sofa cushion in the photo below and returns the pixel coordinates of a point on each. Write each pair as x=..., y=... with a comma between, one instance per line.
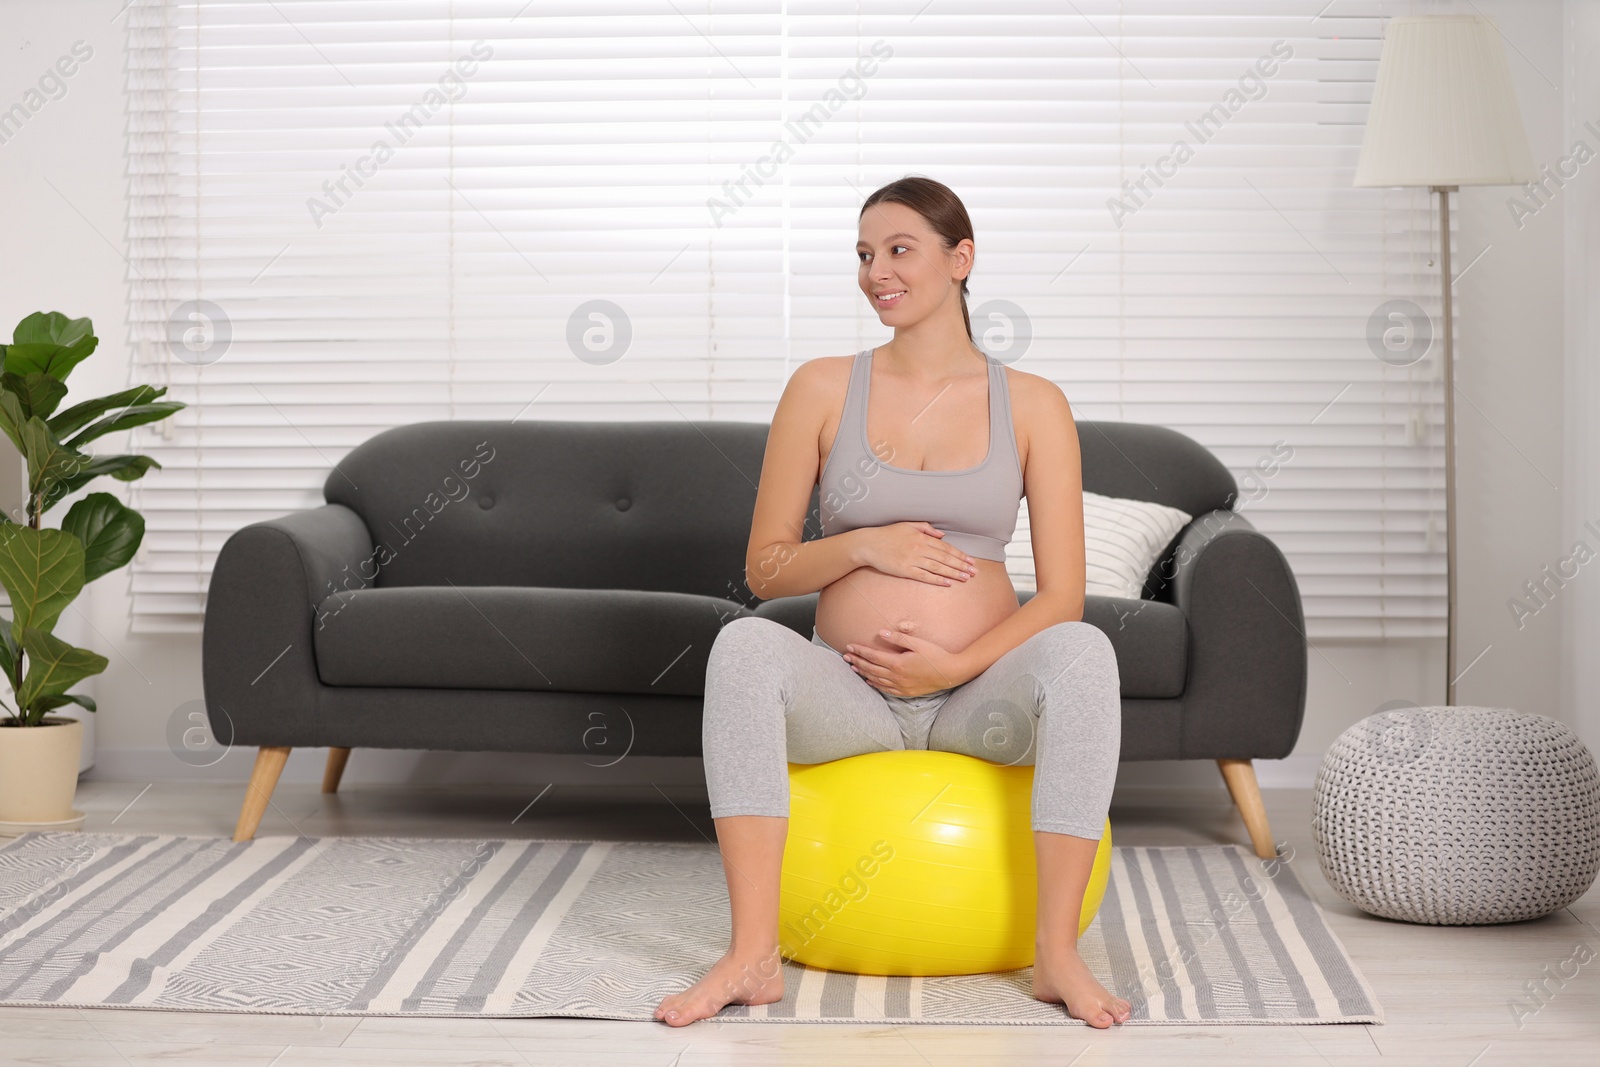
x=1123, y=539
x=520, y=637
x=660, y=505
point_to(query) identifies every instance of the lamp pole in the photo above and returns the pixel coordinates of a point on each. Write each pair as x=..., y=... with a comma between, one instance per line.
x=1445, y=282
x=1444, y=114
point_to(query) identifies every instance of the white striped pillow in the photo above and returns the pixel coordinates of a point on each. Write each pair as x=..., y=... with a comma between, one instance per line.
x=1122, y=539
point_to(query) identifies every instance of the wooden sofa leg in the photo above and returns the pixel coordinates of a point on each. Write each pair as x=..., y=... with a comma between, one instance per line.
x=1240, y=774
x=263, y=780
x=337, y=758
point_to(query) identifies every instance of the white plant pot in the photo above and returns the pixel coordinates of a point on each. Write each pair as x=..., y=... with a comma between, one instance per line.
x=87, y=719
x=39, y=775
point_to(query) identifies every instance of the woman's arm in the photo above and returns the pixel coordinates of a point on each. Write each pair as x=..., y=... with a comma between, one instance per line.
x=778, y=562
x=1053, y=483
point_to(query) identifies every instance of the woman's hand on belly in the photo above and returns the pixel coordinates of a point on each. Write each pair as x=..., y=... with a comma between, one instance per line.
x=917, y=550
x=916, y=667
x=853, y=609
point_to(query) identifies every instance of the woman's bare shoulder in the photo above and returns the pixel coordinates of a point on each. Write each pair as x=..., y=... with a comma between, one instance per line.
x=824, y=368
x=819, y=382
x=1032, y=394
x=1039, y=411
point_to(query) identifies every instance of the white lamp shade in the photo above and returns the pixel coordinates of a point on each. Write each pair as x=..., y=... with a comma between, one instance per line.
x=1443, y=108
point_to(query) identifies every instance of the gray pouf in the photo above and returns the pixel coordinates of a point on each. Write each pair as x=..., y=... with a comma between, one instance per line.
x=1458, y=815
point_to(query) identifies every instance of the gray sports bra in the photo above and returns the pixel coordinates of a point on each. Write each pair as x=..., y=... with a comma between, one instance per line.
x=976, y=507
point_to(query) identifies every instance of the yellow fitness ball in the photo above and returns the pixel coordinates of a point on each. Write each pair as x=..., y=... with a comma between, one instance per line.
x=915, y=862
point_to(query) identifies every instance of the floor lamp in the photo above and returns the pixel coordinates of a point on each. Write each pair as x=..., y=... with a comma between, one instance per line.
x=1444, y=115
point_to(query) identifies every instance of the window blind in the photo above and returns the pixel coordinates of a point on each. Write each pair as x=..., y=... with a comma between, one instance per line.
x=346, y=216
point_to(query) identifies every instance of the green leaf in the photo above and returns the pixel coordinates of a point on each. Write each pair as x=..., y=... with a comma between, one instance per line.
x=80, y=415
x=42, y=571
x=51, y=703
x=12, y=417
x=53, y=667
x=122, y=468
x=38, y=394
x=8, y=651
x=110, y=533
x=51, y=328
x=50, y=464
x=54, y=469
x=127, y=418
x=49, y=343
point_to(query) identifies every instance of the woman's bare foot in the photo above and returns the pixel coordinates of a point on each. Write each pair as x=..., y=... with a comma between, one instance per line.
x=733, y=979
x=1061, y=977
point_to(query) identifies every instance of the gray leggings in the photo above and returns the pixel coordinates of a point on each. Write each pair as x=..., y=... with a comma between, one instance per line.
x=774, y=698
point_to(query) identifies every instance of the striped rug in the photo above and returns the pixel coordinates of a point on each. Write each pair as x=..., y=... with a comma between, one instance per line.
x=399, y=926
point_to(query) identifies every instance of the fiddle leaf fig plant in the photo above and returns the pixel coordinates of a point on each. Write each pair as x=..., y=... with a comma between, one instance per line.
x=42, y=568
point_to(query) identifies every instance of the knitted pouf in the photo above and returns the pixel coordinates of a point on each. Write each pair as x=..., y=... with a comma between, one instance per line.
x=1458, y=815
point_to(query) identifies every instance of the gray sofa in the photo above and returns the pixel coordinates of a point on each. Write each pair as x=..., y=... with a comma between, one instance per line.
x=556, y=586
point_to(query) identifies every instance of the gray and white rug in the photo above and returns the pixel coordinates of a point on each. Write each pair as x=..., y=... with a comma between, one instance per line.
x=518, y=928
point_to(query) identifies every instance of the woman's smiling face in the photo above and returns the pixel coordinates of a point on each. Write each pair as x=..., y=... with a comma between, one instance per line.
x=903, y=260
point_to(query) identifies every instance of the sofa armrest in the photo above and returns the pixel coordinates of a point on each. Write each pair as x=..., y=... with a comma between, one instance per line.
x=1245, y=695
x=257, y=659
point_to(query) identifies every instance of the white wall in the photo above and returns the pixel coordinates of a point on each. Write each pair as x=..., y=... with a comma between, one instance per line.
x=62, y=212
x=1580, y=675
x=1521, y=362
x=1511, y=482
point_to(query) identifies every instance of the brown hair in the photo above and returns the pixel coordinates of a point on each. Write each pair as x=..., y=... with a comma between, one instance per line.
x=942, y=209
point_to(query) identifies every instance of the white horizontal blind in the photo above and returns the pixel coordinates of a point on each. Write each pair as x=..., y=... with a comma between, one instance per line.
x=701, y=167
x=567, y=158
x=1229, y=301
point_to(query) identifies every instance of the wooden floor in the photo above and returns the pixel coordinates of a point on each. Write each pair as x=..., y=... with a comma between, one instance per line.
x=1446, y=991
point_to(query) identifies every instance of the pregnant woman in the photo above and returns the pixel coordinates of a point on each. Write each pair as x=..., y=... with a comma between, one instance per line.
x=922, y=448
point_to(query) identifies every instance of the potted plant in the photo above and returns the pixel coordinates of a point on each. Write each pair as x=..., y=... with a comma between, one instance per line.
x=43, y=568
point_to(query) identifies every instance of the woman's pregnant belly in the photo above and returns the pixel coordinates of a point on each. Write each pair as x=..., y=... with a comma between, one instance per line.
x=852, y=609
